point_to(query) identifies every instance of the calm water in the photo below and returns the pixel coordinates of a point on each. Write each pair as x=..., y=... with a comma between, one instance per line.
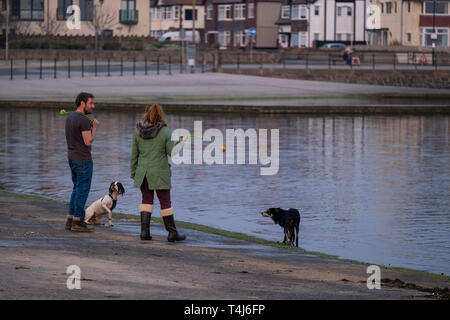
x=374, y=189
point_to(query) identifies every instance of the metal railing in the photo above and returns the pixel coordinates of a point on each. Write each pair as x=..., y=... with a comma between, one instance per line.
x=206, y=62
x=70, y=68
x=336, y=60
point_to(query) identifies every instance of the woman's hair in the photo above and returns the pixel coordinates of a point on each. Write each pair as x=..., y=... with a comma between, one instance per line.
x=154, y=114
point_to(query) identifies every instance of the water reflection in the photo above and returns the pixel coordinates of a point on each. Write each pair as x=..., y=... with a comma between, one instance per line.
x=372, y=188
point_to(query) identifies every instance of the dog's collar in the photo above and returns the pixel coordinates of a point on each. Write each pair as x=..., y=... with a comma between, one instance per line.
x=114, y=202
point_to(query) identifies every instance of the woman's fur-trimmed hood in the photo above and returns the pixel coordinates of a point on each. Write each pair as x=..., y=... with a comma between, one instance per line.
x=146, y=130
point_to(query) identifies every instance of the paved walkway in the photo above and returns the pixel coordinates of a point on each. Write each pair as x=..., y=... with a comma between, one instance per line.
x=211, y=88
x=115, y=264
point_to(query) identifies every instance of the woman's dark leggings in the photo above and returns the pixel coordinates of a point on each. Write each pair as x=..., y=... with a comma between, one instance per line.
x=148, y=196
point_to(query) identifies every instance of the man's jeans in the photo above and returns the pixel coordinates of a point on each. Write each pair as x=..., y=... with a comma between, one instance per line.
x=81, y=178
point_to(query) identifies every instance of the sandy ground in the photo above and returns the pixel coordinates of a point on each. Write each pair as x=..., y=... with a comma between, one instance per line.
x=35, y=252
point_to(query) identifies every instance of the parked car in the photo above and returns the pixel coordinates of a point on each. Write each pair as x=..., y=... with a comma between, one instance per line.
x=175, y=36
x=333, y=45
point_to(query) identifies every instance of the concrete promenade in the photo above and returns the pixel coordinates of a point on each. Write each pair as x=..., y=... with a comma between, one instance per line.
x=115, y=264
x=217, y=89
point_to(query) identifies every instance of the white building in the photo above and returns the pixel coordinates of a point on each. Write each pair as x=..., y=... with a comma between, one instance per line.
x=303, y=21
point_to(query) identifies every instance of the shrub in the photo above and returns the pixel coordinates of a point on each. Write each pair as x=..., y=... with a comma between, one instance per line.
x=67, y=45
x=111, y=46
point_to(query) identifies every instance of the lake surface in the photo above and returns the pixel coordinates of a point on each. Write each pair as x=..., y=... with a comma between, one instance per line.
x=370, y=188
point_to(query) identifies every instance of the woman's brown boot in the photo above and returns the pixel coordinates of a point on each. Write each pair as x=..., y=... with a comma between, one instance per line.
x=169, y=223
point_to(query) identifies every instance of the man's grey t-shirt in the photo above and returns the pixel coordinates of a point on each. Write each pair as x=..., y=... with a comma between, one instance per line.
x=76, y=123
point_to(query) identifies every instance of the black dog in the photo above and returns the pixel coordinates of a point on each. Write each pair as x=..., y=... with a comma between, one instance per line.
x=287, y=219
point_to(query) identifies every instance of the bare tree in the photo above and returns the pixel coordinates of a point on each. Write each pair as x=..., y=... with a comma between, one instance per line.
x=102, y=19
x=51, y=26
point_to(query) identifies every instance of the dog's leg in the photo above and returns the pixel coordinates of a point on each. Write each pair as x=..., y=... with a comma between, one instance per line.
x=109, y=215
x=292, y=232
x=89, y=215
x=297, y=230
x=287, y=236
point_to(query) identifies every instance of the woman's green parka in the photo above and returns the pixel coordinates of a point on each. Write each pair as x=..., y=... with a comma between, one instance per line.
x=151, y=146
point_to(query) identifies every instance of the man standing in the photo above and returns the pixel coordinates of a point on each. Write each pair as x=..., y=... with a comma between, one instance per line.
x=80, y=133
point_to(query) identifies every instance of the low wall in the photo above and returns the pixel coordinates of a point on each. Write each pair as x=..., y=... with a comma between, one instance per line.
x=325, y=109
x=406, y=78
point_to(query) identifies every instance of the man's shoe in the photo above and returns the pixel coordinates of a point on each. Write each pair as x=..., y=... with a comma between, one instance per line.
x=69, y=221
x=78, y=225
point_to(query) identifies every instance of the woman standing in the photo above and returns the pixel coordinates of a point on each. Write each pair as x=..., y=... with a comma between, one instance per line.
x=151, y=171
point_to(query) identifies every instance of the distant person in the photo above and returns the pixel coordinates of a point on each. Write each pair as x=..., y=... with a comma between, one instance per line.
x=151, y=171
x=80, y=134
x=348, y=55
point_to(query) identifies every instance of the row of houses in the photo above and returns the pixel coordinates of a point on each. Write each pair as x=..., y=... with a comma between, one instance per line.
x=226, y=23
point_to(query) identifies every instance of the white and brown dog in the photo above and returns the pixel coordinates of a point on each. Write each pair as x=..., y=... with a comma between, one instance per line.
x=104, y=205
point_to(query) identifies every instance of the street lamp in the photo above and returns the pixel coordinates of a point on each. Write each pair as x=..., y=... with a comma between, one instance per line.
x=7, y=31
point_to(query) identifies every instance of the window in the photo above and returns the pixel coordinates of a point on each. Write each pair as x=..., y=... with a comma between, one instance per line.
x=302, y=39
x=295, y=12
x=239, y=38
x=303, y=12
x=348, y=37
x=382, y=7
x=209, y=12
x=224, y=12
x=86, y=10
x=224, y=38
x=441, y=7
x=339, y=37
x=284, y=39
x=388, y=7
x=156, y=13
x=316, y=36
x=298, y=12
x=31, y=10
x=409, y=6
x=62, y=9
x=408, y=36
x=285, y=12
x=167, y=13
x=228, y=37
x=251, y=10
x=294, y=40
x=239, y=11
x=107, y=33
x=176, y=12
x=339, y=11
x=3, y=5
x=441, y=40
x=128, y=4
x=349, y=11
x=188, y=14
x=316, y=10
x=395, y=7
